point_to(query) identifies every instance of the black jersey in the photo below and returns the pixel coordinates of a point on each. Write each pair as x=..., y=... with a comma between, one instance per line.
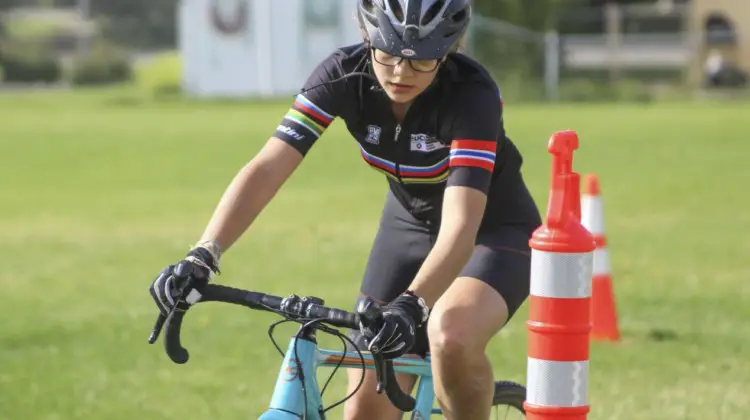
x=452, y=134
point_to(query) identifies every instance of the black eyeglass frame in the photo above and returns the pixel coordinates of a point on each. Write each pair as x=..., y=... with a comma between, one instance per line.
x=438, y=61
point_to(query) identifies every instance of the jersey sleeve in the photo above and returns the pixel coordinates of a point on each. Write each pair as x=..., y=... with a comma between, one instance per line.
x=477, y=128
x=315, y=108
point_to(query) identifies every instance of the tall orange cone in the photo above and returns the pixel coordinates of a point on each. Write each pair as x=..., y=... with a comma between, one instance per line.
x=603, y=308
x=559, y=324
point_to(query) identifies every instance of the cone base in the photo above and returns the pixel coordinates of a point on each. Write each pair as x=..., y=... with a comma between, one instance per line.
x=537, y=412
x=603, y=310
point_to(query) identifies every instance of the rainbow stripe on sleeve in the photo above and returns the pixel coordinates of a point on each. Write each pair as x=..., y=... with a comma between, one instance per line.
x=308, y=115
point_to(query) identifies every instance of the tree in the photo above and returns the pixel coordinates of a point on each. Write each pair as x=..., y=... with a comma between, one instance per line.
x=537, y=15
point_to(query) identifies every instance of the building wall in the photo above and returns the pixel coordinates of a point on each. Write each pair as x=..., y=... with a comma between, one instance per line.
x=737, y=12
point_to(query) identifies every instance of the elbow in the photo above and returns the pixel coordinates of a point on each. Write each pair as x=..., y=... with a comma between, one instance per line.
x=466, y=243
x=258, y=166
x=276, y=160
x=271, y=167
x=255, y=172
x=459, y=237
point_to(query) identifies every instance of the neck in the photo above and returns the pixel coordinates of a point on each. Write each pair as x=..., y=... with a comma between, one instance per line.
x=400, y=109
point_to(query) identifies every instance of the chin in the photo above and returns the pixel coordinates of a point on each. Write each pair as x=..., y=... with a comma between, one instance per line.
x=400, y=98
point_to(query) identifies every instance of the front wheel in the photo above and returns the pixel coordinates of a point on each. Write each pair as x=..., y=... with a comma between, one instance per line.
x=507, y=403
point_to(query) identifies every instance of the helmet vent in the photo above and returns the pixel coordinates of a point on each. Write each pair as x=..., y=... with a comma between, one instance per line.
x=368, y=6
x=459, y=16
x=432, y=12
x=396, y=9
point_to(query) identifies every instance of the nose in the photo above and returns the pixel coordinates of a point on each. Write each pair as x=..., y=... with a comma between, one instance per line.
x=403, y=68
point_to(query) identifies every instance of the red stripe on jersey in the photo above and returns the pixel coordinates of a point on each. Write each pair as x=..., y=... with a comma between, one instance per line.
x=476, y=163
x=483, y=145
x=320, y=119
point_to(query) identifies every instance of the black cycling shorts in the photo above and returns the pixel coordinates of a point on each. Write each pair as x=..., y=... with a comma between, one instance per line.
x=501, y=259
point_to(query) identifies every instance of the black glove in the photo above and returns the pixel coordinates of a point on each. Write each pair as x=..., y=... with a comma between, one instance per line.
x=182, y=284
x=397, y=334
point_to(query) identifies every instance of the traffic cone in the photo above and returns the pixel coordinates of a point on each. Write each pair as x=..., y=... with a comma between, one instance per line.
x=603, y=307
x=559, y=322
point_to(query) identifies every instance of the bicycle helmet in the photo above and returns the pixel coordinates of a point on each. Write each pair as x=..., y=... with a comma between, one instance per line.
x=419, y=29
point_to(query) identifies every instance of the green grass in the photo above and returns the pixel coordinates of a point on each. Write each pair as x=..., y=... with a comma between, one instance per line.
x=100, y=191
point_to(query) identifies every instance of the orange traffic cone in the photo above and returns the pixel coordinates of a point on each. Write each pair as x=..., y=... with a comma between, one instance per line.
x=603, y=307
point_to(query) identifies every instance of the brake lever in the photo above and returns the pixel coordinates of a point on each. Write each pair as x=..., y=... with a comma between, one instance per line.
x=380, y=372
x=371, y=316
x=161, y=318
x=158, y=325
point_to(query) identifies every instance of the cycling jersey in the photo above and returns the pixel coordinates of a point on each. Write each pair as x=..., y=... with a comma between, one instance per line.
x=452, y=134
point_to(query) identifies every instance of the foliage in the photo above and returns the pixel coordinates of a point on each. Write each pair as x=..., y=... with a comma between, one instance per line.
x=138, y=23
x=519, y=56
x=162, y=75
x=28, y=62
x=102, y=64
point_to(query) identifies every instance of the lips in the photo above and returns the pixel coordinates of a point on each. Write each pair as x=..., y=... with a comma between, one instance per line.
x=399, y=87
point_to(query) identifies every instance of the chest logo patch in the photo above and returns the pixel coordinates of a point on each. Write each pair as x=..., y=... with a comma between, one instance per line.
x=373, y=134
x=425, y=143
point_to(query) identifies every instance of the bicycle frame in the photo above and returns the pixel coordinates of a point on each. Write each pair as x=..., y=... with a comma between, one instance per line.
x=296, y=394
x=288, y=400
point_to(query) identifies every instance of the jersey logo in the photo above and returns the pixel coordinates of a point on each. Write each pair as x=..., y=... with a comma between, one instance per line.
x=425, y=143
x=373, y=134
x=290, y=132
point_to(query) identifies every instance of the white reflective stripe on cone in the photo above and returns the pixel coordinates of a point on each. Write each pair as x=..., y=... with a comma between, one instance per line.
x=561, y=275
x=592, y=214
x=557, y=384
x=601, y=262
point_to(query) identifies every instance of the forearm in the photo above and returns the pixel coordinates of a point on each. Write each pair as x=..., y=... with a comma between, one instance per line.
x=246, y=196
x=443, y=264
x=463, y=209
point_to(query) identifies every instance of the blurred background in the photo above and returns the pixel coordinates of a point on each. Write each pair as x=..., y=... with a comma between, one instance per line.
x=538, y=49
x=122, y=122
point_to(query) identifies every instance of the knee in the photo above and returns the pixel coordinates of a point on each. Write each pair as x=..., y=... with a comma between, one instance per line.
x=451, y=337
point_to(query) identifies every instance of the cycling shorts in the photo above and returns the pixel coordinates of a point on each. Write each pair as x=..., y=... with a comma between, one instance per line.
x=501, y=258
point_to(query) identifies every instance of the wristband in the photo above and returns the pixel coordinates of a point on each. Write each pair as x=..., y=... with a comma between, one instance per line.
x=212, y=247
x=421, y=304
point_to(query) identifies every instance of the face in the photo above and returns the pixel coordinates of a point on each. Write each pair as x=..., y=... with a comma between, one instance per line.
x=403, y=79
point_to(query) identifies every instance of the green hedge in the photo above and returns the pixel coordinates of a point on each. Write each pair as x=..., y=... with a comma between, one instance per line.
x=162, y=75
x=102, y=64
x=24, y=62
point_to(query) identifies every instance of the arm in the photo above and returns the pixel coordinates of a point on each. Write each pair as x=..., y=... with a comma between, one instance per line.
x=249, y=193
x=259, y=181
x=472, y=162
x=463, y=208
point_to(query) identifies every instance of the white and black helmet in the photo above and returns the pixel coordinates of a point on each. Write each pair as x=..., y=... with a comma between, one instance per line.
x=419, y=29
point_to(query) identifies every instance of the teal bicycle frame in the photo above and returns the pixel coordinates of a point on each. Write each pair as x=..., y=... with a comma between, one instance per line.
x=288, y=400
x=296, y=394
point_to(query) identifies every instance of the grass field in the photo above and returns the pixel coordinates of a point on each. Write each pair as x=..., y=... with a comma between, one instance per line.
x=99, y=191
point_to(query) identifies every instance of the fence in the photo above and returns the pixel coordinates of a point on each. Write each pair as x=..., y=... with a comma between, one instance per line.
x=600, y=53
x=525, y=63
x=548, y=66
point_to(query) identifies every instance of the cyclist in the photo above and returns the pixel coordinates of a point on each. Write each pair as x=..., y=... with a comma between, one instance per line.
x=450, y=261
